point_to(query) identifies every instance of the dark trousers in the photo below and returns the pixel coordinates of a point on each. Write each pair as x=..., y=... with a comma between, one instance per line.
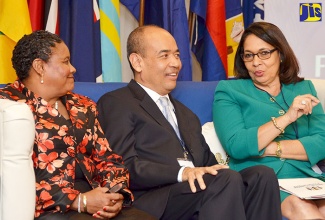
x=250, y=194
x=82, y=185
x=126, y=214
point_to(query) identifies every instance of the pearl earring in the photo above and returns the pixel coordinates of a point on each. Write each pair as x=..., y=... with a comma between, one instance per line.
x=56, y=105
x=42, y=80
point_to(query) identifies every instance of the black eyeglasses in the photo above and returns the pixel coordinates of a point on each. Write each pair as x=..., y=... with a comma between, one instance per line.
x=263, y=55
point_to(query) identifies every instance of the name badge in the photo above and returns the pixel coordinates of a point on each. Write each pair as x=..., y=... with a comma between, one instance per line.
x=183, y=162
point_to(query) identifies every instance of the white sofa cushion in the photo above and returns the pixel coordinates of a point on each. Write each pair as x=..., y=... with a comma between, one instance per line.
x=17, y=178
x=212, y=140
x=320, y=89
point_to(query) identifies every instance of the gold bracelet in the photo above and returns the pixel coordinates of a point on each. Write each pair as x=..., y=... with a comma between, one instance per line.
x=276, y=125
x=278, y=151
x=84, y=200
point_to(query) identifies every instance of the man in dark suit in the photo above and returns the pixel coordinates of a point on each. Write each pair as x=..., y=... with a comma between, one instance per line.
x=173, y=174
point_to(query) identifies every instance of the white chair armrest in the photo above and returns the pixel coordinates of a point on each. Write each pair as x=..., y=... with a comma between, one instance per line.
x=17, y=178
x=319, y=85
x=212, y=140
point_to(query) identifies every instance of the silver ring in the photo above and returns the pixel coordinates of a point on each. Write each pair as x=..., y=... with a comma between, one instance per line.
x=303, y=102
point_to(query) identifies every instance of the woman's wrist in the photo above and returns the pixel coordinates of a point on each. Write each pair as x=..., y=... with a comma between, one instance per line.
x=75, y=204
x=270, y=149
x=282, y=121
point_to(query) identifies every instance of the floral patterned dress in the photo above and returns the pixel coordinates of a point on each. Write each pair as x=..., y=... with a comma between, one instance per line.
x=60, y=145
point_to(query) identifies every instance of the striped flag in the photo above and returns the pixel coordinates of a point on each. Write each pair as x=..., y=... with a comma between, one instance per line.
x=14, y=23
x=51, y=18
x=36, y=12
x=80, y=30
x=110, y=40
x=209, y=38
x=44, y=15
x=234, y=30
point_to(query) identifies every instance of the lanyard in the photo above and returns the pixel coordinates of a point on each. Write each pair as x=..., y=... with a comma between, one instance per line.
x=294, y=124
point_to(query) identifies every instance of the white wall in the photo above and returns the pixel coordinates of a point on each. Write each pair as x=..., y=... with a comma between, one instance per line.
x=305, y=38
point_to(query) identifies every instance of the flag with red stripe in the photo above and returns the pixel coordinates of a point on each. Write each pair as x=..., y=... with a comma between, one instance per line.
x=209, y=38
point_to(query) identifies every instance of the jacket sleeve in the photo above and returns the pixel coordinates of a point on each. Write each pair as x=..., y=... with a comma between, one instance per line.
x=313, y=139
x=111, y=170
x=238, y=140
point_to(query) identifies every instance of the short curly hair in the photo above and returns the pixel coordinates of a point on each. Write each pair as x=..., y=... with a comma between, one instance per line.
x=30, y=47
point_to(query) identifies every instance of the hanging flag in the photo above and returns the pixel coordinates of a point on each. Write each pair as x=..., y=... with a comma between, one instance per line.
x=209, y=38
x=234, y=31
x=170, y=15
x=14, y=23
x=110, y=40
x=36, y=12
x=80, y=30
x=133, y=6
x=253, y=10
x=44, y=15
x=51, y=17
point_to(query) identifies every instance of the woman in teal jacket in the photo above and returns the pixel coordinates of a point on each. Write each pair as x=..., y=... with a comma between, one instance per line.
x=271, y=116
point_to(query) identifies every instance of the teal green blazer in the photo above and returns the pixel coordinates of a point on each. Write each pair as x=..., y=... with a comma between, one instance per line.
x=239, y=109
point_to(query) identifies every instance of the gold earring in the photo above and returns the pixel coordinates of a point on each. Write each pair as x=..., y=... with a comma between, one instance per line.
x=42, y=79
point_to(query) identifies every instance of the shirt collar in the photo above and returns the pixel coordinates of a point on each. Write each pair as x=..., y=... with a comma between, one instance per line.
x=154, y=95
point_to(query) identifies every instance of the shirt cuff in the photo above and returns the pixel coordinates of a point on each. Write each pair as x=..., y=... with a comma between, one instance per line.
x=180, y=173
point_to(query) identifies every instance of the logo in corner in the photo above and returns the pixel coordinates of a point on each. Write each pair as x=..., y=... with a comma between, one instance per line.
x=310, y=12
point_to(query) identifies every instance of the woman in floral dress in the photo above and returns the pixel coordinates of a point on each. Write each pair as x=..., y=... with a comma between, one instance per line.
x=77, y=174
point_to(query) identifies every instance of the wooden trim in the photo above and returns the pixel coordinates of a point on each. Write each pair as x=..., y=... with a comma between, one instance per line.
x=141, y=17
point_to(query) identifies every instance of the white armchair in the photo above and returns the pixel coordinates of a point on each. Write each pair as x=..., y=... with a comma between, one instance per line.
x=17, y=179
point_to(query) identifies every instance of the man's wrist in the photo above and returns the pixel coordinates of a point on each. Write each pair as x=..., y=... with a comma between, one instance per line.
x=180, y=174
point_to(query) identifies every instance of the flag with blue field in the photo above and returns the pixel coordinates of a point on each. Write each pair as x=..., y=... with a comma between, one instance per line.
x=80, y=30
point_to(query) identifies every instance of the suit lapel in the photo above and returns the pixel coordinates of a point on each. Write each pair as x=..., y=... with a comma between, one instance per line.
x=149, y=105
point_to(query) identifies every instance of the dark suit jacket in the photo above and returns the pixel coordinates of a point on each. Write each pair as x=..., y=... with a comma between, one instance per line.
x=137, y=130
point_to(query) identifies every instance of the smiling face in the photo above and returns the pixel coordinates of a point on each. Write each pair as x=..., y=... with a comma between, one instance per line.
x=158, y=67
x=58, y=71
x=264, y=73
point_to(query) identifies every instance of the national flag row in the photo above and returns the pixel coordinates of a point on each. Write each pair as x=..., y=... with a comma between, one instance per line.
x=91, y=30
